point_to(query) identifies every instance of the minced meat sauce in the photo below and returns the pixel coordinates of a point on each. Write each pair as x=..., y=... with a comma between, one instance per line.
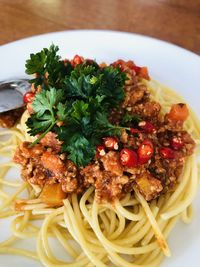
x=9, y=118
x=164, y=141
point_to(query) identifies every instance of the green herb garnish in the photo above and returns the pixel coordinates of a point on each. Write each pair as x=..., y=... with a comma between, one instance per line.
x=134, y=119
x=79, y=97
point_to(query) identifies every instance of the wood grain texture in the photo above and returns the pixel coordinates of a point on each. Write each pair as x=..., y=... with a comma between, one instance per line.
x=176, y=21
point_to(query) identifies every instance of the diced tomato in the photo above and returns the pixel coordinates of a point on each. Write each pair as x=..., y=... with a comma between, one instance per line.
x=136, y=69
x=145, y=151
x=119, y=63
x=77, y=60
x=178, y=112
x=167, y=153
x=100, y=151
x=141, y=71
x=128, y=157
x=176, y=143
x=28, y=97
x=130, y=64
x=144, y=73
x=148, y=127
x=111, y=143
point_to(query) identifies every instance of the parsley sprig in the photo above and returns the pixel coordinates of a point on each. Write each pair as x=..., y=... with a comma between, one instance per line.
x=79, y=99
x=47, y=109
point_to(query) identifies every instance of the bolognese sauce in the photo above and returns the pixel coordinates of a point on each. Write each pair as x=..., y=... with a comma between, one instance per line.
x=148, y=154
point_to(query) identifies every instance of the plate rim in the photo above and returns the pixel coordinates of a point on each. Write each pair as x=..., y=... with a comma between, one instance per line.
x=101, y=31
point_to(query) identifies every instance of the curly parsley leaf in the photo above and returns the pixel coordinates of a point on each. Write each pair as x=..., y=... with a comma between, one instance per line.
x=45, y=107
x=62, y=111
x=36, y=63
x=81, y=82
x=89, y=81
x=48, y=68
x=102, y=126
x=80, y=150
x=111, y=86
x=37, y=124
x=75, y=102
x=86, y=124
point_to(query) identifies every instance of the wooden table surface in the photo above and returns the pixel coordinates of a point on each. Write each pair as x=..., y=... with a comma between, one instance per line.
x=176, y=21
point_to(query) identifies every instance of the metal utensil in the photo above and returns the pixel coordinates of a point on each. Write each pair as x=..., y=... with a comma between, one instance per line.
x=11, y=93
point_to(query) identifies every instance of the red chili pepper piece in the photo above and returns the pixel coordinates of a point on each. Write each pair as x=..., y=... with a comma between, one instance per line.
x=134, y=130
x=148, y=127
x=145, y=151
x=77, y=60
x=100, y=150
x=111, y=143
x=167, y=153
x=130, y=64
x=128, y=157
x=28, y=97
x=176, y=143
x=144, y=73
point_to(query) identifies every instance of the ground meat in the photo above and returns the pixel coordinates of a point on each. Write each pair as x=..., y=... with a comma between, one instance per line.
x=173, y=126
x=149, y=109
x=9, y=118
x=41, y=166
x=116, y=115
x=90, y=173
x=50, y=140
x=30, y=159
x=189, y=143
x=134, y=95
x=69, y=180
x=109, y=187
x=24, y=152
x=69, y=184
x=36, y=175
x=165, y=136
x=44, y=164
x=111, y=163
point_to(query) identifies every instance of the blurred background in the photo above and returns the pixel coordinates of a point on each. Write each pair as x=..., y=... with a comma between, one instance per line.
x=175, y=21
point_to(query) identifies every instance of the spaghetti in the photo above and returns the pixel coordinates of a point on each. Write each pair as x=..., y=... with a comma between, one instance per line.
x=130, y=232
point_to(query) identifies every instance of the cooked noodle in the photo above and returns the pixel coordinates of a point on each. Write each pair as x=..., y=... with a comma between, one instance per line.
x=130, y=232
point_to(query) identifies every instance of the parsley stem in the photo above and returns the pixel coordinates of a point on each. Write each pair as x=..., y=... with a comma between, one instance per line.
x=42, y=135
x=118, y=127
x=124, y=128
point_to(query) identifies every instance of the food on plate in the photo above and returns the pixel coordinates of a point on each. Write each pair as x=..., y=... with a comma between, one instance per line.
x=9, y=118
x=108, y=159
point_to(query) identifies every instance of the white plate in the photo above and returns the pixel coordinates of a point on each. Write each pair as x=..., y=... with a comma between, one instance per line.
x=169, y=64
